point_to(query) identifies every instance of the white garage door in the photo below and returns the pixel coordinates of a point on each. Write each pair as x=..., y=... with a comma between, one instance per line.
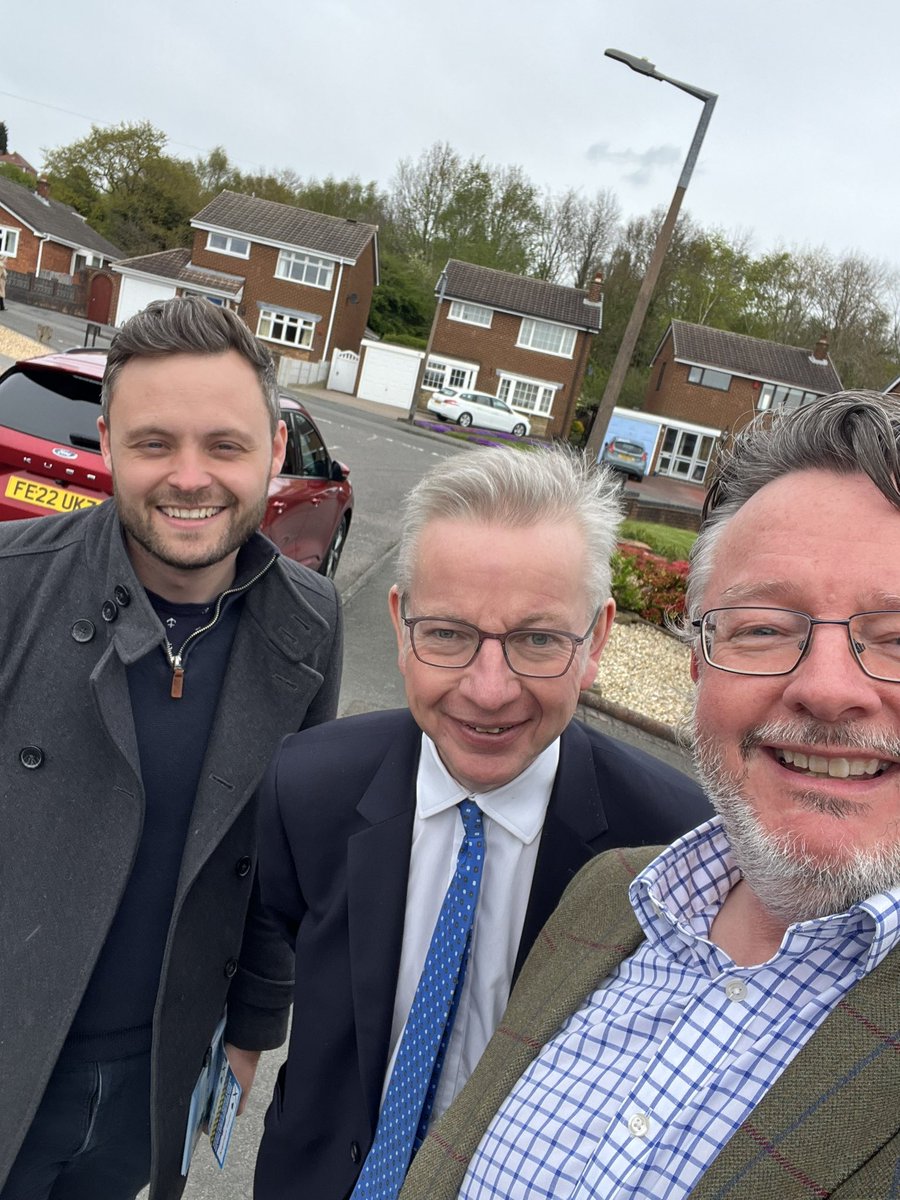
x=389, y=374
x=136, y=294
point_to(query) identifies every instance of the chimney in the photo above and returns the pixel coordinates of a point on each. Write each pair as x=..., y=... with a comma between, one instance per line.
x=820, y=354
x=595, y=291
x=43, y=188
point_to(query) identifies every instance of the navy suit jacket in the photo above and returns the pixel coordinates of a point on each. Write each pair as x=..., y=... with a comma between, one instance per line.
x=336, y=817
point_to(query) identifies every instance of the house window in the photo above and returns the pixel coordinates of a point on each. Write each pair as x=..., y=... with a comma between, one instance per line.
x=287, y=328
x=471, y=314
x=783, y=399
x=527, y=395
x=441, y=373
x=304, y=268
x=227, y=243
x=9, y=241
x=80, y=261
x=707, y=377
x=548, y=338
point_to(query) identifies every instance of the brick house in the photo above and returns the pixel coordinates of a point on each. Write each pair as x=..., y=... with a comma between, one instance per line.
x=42, y=236
x=301, y=280
x=525, y=340
x=16, y=160
x=705, y=382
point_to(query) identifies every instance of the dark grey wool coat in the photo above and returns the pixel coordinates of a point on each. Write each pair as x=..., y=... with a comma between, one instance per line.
x=71, y=810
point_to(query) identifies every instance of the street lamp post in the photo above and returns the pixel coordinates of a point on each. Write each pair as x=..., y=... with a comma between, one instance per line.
x=440, y=288
x=664, y=237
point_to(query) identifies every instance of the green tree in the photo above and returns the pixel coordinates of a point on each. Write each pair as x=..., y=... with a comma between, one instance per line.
x=4, y=138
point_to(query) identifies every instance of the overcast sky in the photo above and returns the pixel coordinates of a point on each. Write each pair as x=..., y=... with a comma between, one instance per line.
x=801, y=149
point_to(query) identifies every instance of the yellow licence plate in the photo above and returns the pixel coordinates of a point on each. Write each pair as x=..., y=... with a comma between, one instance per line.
x=44, y=495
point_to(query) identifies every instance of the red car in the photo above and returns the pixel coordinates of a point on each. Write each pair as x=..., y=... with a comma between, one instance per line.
x=50, y=459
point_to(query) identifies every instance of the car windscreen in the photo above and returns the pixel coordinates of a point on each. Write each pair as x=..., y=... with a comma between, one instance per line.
x=55, y=405
x=628, y=447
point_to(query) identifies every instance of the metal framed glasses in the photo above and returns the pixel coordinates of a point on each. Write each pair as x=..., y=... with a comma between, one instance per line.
x=453, y=645
x=774, y=641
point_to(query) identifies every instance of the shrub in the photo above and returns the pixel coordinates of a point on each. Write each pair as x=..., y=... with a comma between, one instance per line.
x=648, y=584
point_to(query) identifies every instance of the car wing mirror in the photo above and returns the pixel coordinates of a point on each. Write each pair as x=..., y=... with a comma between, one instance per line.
x=339, y=471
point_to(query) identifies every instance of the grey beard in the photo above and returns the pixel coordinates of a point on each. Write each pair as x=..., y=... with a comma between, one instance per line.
x=788, y=881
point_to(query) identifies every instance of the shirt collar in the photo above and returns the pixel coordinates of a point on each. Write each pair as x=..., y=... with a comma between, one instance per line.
x=682, y=889
x=518, y=806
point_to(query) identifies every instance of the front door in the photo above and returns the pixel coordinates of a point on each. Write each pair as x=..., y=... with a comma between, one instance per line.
x=685, y=455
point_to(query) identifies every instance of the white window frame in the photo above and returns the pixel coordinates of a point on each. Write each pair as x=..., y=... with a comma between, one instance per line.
x=470, y=314
x=531, y=328
x=9, y=240
x=91, y=259
x=230, y=240
x=783, y=398
x=710, y=377
x=540, y=406
x=312, y=269
x=451, y=372
x=303, y=326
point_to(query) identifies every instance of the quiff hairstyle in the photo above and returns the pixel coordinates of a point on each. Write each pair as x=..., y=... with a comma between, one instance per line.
x=188, y=325
x=517, y=488
x=849, y=433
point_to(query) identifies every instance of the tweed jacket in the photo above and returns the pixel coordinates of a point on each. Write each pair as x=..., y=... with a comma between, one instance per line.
x=73, y=616
x=828, y=1127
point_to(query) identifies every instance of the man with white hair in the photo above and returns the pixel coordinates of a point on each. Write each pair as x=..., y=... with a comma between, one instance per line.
x=723, y=1019
x=411, y=857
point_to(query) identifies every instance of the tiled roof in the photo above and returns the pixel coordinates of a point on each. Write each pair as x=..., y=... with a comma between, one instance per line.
x=58, y=220
x=754, y=357
x=287, y=225
x=16, y=160
x=519, y=294
x=177, y=266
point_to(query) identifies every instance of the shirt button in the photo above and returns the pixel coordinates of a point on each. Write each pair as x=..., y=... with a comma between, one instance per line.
x=736, y=989
x=639, y=1125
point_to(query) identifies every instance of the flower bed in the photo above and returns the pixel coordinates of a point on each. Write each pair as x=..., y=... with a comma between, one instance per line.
x=647, y=583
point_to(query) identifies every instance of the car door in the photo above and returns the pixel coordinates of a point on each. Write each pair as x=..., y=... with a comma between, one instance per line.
x=503, y=415
x=305, y=504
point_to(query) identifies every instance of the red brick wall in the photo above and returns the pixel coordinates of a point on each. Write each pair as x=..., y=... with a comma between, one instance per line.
x=495, y=349
x=56, y=258
x=261, y=286
x=26, y=252
x=669, y=394
x=350, y=318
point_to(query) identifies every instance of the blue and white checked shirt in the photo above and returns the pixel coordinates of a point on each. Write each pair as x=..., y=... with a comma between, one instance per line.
x=643, y=1086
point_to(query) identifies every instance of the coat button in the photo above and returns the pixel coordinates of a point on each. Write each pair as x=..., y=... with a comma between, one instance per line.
x=109, y=610
x=355, y=1152
x=231, y=968
x=122, y=595
x=83, y=631
x=242, y=867
x=31, y=757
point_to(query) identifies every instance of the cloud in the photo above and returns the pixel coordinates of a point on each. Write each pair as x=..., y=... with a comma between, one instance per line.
x=643, y=162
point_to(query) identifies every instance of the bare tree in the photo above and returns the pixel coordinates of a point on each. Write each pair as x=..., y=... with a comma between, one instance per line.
x=421, y=190
x=596, y=227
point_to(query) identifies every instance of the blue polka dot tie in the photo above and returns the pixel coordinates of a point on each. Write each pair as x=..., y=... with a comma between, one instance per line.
x=417, y=1067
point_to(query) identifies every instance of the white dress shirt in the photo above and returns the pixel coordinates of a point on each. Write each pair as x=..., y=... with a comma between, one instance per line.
x=513, y=820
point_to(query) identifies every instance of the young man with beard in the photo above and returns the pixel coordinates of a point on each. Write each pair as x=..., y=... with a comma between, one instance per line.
x=724, y=1021
x=154, y=650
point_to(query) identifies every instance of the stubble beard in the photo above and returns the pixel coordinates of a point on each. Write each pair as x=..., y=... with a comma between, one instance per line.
x=241, y=525
x=787, y=878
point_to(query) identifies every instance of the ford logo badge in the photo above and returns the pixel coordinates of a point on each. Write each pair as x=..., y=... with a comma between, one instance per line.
x=60, y=453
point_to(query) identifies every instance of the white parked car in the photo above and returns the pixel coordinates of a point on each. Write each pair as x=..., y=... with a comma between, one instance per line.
x=478, y=408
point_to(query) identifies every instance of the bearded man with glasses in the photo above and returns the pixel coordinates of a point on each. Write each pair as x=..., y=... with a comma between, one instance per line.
x=412, y=856
x=722, y=1019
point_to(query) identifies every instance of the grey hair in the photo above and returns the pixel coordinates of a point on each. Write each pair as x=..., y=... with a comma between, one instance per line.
x=517, y=488
x=849, y=433
x=188, y=325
